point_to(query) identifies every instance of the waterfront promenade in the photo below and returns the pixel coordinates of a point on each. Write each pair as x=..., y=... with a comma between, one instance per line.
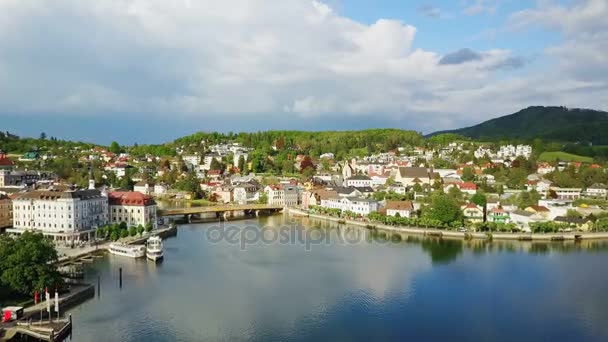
x=459, y=235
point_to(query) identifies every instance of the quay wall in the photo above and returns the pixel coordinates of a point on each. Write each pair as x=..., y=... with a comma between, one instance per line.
x=453, y=234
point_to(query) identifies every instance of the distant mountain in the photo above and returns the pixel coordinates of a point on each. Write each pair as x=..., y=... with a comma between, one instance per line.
x=548, y=123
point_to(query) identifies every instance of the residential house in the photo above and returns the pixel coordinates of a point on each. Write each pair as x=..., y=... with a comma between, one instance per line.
x=160, y=189
x=244, y=193
x=466, y=187
x=315, y=196
x=472, y=212
x=359, y=181
x=498, y=215
x=523, y=218
x=597, y=190
x=539, y=210
x=223, y=193
x=144, y=187
x=282, y=195
x=574, y=222
x=566, y=193
x=544, y=168
x=401, y=208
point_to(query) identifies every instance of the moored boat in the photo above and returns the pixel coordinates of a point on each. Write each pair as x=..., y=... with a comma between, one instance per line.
x=131, y=251
x=154, y=250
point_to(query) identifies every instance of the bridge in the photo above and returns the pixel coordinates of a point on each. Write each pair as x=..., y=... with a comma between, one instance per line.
x=222, y=210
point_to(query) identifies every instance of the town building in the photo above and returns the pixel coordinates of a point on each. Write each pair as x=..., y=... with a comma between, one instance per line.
x=498, y=215
x=244, y=193
x=597, y=190
x=6, y=212
x=144, y=187
x=401, y=208
x=283, y=195
x=61, y=215
x=410, y=176
x=359, y=181
x=472, y=213
x=358, y=205
x=132, y=208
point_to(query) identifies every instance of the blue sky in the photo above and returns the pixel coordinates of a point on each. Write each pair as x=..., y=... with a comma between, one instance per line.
x=149, y=71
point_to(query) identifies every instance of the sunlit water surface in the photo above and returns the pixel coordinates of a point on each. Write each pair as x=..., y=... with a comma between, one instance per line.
x=415, y=289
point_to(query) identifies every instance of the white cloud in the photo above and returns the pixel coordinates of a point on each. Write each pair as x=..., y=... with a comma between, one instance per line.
x=250, y=58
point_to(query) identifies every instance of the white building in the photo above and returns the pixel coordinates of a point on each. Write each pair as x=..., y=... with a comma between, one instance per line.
x=361, y=206
x=60, y=215
x=403, y=208
x=359, y=181
x=192, y=161
x=283, y=195
x=132, y=208
x=245, y=193
x=597, y=190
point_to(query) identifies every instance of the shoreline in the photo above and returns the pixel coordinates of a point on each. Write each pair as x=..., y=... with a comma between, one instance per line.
x=574, y=236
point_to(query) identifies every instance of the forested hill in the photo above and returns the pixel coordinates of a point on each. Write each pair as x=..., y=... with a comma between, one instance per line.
x=341, y=143
x=547, y=123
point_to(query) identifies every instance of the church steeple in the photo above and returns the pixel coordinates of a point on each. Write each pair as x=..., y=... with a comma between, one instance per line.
x=91, y=179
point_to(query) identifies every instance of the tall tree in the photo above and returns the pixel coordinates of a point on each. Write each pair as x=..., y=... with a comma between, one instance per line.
x=26, y=263
x=114, y=147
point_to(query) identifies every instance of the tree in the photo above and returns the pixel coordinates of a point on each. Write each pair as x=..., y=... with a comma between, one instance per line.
x=468, y=174
x=141, y=229
x=42, y=136
x=122, y=225
x=263, y=199
x=149, y=227
x=306, y=164
x=114, y=147
x=241, y=164
x=479, y=199
x=124, y=233
x=133, y=231
x=215, y=165
x=27, y=263
x=444, y=209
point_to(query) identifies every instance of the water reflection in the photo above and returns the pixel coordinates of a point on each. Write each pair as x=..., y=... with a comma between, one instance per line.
x=384, y=288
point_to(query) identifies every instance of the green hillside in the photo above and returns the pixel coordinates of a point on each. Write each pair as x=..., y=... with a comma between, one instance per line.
x=563, y=156
x=547, y=123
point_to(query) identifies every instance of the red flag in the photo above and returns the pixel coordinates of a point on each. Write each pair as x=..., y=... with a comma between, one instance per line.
x=36, y=297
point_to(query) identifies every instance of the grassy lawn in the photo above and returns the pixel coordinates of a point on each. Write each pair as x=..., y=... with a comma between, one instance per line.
x=563, y=156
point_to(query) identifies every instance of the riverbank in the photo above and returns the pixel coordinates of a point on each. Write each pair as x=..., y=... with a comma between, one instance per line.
x=574, y=236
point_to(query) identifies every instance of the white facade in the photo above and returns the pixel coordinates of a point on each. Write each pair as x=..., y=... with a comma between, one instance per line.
x=361, y=206
x=359, y=181
x=69, y=215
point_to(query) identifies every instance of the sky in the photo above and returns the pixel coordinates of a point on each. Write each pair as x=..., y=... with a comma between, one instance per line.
x=149, y=71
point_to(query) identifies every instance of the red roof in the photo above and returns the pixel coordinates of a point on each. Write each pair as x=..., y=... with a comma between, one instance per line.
x=130, y=198
x=4, y=161
x=467, y=186
x=472, y=206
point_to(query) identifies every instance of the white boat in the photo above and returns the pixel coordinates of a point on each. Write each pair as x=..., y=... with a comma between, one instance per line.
x=154, y=250
x=131, y=251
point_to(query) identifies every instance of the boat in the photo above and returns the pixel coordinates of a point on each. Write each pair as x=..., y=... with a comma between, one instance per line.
x=131, y=251
x=154, y=250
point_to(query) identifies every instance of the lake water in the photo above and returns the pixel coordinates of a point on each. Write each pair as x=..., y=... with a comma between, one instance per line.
x=340, y=289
